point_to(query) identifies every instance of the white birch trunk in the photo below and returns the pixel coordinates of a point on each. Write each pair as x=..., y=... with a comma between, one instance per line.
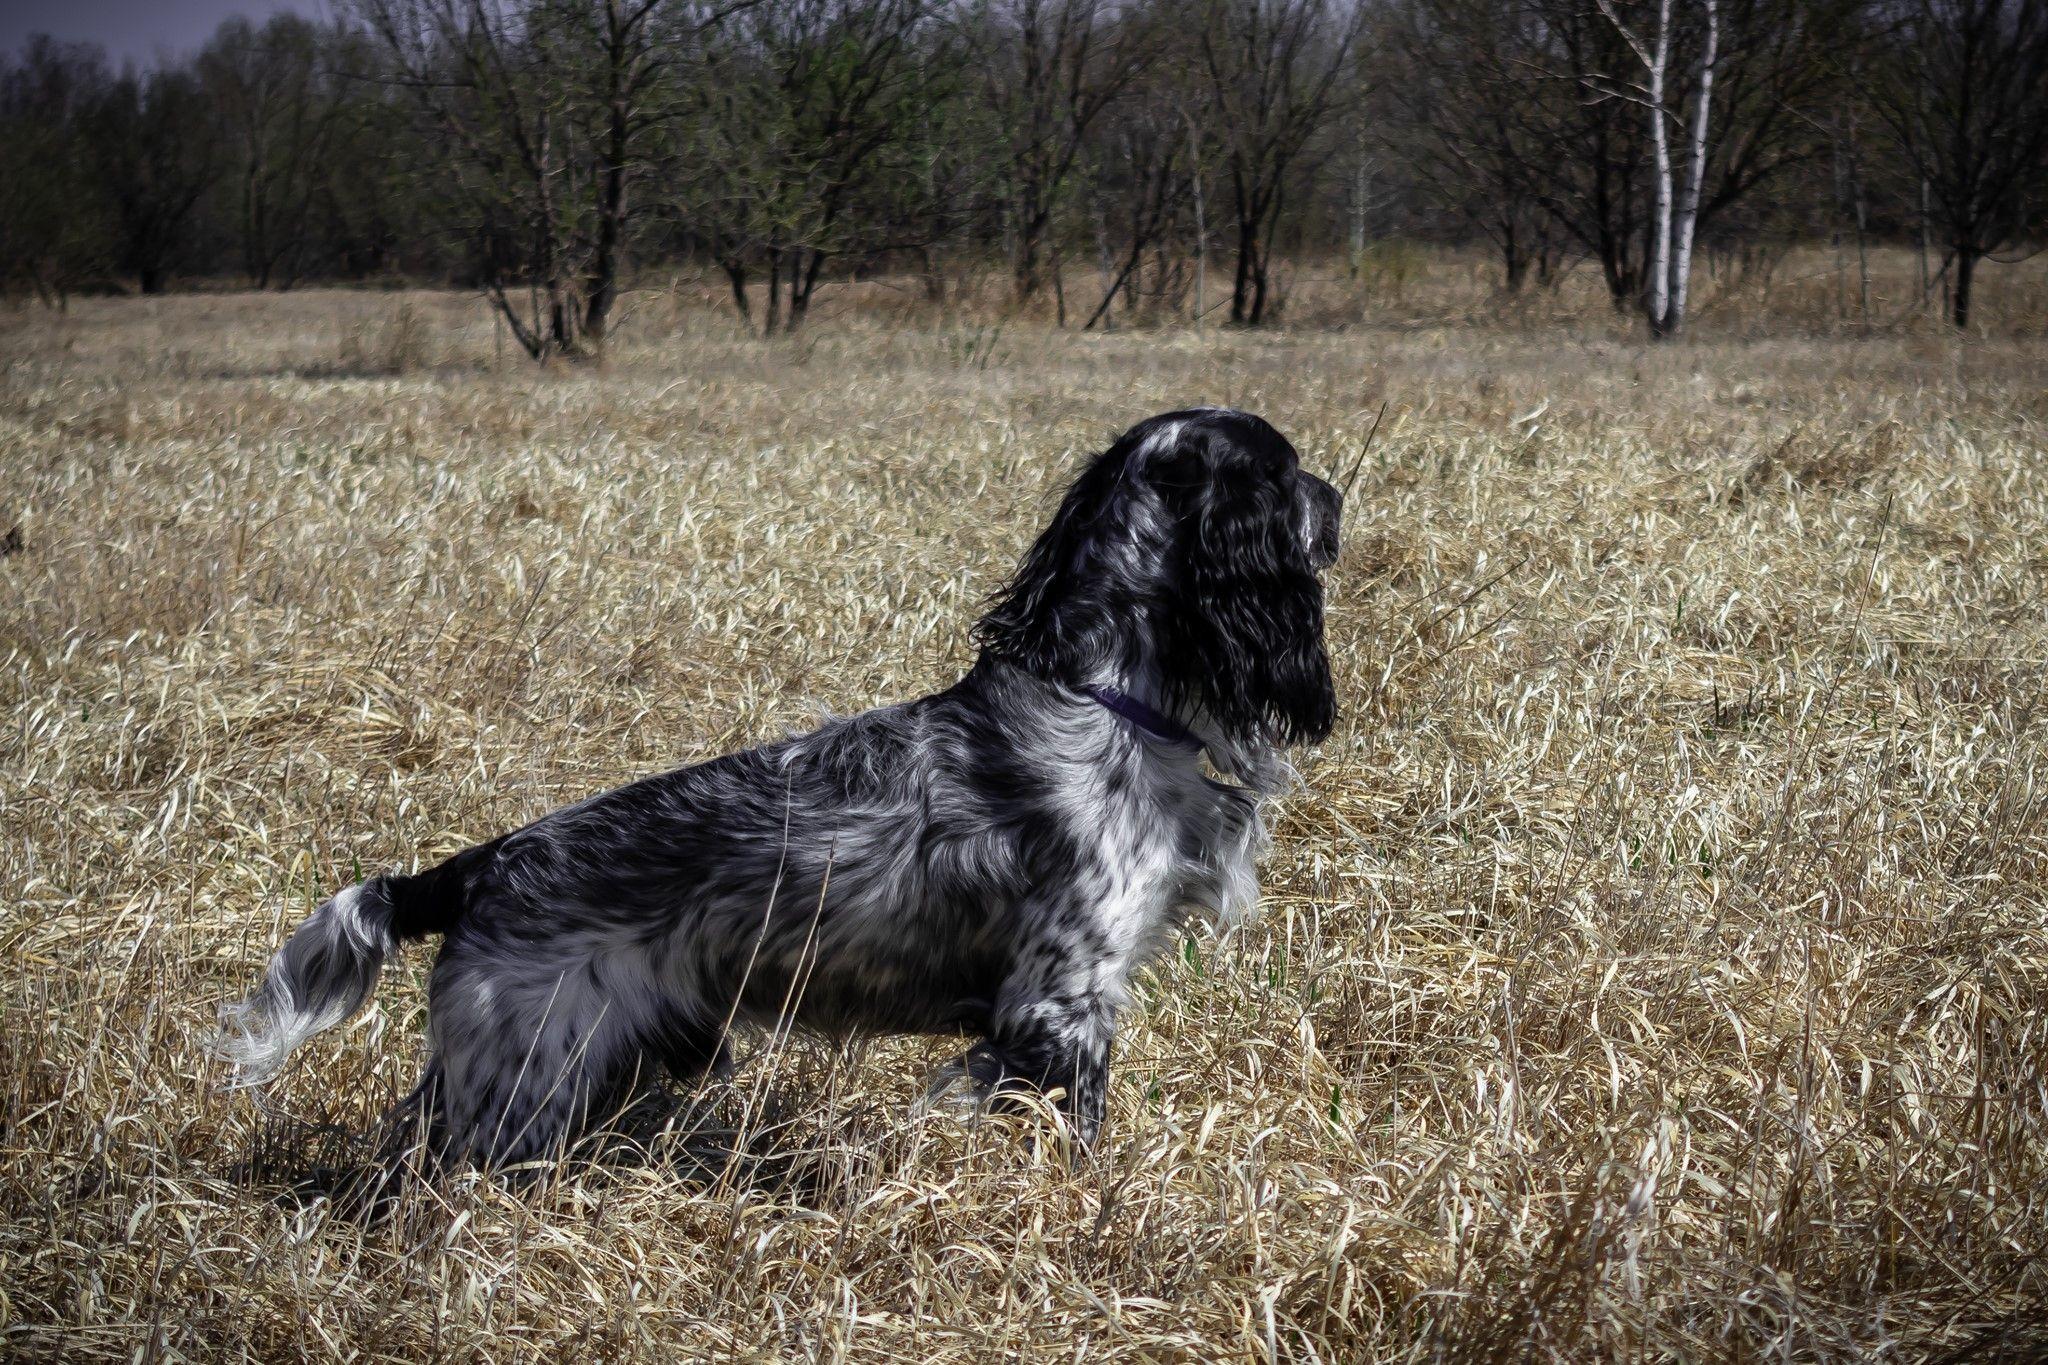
x=1695, y=177
x=1660, y=143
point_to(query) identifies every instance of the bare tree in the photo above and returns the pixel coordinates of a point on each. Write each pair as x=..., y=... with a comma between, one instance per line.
x=812, y=143
x=1968, y=103
x=155, y=155
x=54, y=227
x=1050, y=68
x=1140, y=184
x=1470, y=93
x=547, y=110
x=1277, y=73
x=279, y=109
x=1587, y=146
x=1677, y=202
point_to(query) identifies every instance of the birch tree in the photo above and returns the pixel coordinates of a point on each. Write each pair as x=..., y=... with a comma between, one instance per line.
x=1675, y=215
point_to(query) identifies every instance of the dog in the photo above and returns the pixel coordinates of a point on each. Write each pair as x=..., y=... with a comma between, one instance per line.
x=994, y=860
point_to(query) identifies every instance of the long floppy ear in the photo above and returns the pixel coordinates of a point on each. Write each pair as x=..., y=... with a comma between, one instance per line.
x=1244, y=629
x=1068, y=608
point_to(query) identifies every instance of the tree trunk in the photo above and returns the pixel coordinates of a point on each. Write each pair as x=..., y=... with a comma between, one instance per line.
x=1695, y=177
x=602, y=290
x=1966, y=273
x=1616, y=274
x=1027, y=276
x=1248, y=289
x=773, y=316
x=802, y=284
x=1266, y=230
x=1926, y=281
x=527, y=337
x=1360, y=184
x=736, y=274
x=561, y=325
x=1658, y=303
x=1201, y=227
x=1862, y=234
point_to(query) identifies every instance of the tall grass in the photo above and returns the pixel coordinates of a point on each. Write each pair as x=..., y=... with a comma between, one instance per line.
x=1653, y=963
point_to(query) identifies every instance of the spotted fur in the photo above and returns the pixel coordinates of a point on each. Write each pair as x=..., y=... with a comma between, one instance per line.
x=996, y=859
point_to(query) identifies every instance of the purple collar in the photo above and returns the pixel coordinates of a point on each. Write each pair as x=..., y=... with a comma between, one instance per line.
x=1160, y=726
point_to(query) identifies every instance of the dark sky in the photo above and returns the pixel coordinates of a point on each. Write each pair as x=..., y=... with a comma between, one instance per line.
x=134, y=30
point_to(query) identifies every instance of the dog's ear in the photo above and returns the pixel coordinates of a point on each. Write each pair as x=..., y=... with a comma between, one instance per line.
x=1243, y=632
x=1066, y=609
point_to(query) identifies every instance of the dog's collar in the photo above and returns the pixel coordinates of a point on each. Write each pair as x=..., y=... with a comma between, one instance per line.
x=1157, y=724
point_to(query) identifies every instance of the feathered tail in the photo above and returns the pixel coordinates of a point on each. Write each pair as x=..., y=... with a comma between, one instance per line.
x=329, y=966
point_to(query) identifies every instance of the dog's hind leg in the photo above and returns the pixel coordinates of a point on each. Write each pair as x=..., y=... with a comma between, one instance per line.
x=527, y=1061
x=687, y=1050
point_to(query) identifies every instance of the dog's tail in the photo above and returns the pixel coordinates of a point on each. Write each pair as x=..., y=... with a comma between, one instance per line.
x=329, y=966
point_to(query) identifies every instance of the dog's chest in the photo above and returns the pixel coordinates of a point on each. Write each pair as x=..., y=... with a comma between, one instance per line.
x=1175, y=845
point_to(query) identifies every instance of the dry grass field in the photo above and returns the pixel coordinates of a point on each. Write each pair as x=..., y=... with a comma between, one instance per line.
x=1653, y=964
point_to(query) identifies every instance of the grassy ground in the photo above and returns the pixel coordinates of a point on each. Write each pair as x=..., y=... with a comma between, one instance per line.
x=1653, y=963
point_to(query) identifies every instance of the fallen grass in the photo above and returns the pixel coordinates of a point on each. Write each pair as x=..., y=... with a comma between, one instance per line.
x=1653, y=963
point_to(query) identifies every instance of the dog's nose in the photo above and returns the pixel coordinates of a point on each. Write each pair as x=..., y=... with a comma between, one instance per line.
x=1326, y=520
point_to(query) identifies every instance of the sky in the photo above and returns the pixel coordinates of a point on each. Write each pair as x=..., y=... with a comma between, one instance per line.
x=141, y=31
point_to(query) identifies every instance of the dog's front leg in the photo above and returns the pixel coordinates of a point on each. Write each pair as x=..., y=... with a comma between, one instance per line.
x=1052, y=1027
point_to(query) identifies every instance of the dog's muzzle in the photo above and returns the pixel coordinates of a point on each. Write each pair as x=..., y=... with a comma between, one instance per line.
x=1322, y=521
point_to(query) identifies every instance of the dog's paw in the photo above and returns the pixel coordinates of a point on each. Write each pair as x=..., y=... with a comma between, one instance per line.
x=953, y=1090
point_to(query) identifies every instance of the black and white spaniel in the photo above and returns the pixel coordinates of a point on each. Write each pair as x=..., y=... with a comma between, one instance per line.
x=996, y=859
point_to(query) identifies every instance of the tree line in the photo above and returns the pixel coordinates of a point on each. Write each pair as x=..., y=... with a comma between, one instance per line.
x=1109, y=156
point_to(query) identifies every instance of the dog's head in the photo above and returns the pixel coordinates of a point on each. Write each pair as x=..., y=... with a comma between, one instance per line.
x=1186, y=553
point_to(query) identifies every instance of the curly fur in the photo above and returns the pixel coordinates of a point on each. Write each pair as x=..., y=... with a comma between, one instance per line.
x=996, y=859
